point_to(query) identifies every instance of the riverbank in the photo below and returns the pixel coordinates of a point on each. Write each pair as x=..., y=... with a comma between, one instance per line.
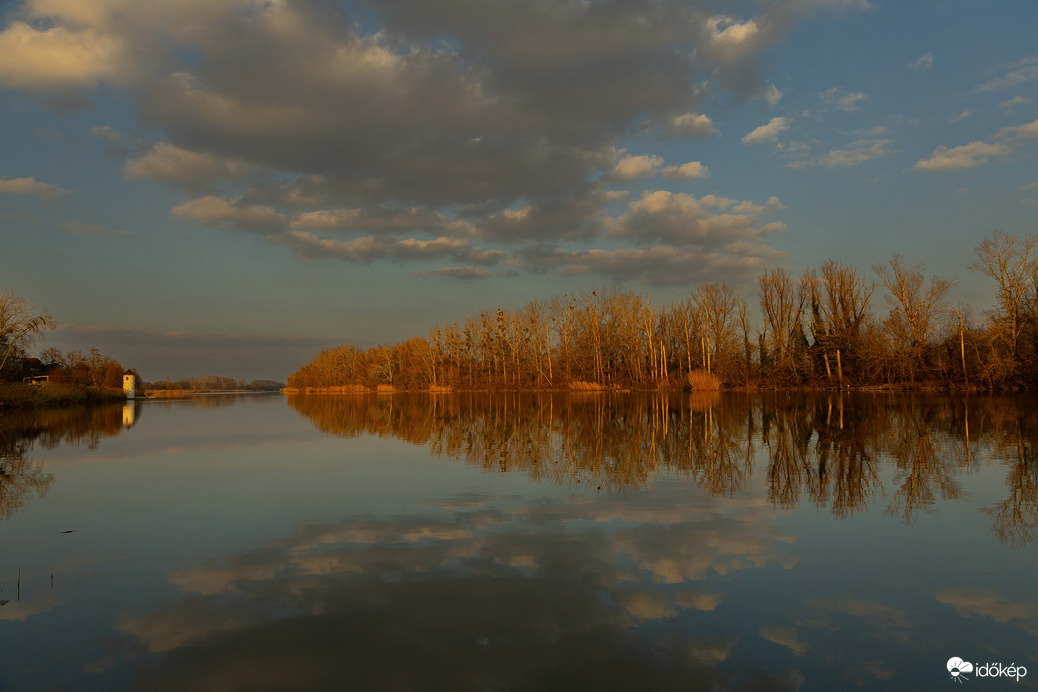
x=19, y=396
x=184, y=393
x=593, y=387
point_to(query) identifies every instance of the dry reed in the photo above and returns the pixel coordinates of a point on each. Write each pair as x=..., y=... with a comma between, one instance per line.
x=703, y=381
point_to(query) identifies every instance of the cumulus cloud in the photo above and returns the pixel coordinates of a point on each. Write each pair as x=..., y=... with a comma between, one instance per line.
x=189, y=170
x=693, y=125
x=772, y=95
x=957, y=158
x=961, y=116
x=842, y=99
x=923, y=62
x=854, y=154
x=768, y=132
x=57, y=63
x=370, y=248
x=1024, y=71
x=977, y=153
x=51, y=194
x=634, y=167
x=692, y=169
x=1018, y=133
x=681, y=219
x=1010, y=104
x=675, y=236
x=216, y=211
x=489, y=119
x=383, y=220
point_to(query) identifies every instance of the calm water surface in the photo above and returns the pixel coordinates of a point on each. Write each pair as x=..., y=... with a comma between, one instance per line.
x=478, y=542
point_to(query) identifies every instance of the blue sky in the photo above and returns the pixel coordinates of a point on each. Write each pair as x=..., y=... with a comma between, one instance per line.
x=226, y=186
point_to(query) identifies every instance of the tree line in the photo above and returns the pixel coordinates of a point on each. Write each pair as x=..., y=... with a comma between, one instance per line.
x=823, y=328
x=214, y=383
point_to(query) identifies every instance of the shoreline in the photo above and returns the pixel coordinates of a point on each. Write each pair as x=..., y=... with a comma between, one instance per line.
x=620, y=389
x=185, y=393
x=19, y=396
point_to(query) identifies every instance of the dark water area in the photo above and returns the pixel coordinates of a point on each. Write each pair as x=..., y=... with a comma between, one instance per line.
x=521, y=541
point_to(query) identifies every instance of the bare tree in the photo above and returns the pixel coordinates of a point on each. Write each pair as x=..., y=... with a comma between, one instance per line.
x=1011, y=261
x=840, y=299
x=21, y=324
x=716, y=306
x=914, y=304
x=782, y=305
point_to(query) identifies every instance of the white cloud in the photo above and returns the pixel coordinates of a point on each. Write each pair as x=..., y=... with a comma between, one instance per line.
x=107, y=132
x=693, y=125
x=680, y=219
x=214, y=211
x=853, y=154
x=375, y=220
x=977, y=153
x=51, y=194
x=188, y=170
x=958, y=158
x=1018, y=132
x=727, y=31
x=1010, y=104
x=961, y=116
x=768, y=132
x=1030, y=186
x=370, y=248
x=923, y=62
x=692, y=169
x=634, y=167
x=772, y=95
x=1024, y=71
x=844, y=100
x=59, y=61
x=508, y=131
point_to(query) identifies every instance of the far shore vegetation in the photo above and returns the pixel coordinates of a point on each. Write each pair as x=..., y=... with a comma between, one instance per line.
x=209, y=383
x=891, y=327
x=54, y=379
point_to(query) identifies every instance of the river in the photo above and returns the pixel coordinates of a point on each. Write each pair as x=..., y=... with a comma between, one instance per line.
x=521, y=541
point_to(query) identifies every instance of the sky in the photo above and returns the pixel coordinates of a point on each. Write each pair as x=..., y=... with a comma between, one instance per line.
x=227, y=186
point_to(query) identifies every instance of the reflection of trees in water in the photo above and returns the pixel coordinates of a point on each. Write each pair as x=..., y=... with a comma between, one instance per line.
x=1016, y=517
x=828, y=448
x=924, y=465
x=21, y=431
x=19, y=478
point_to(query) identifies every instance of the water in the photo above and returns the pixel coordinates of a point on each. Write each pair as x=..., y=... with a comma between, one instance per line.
x=479, y=542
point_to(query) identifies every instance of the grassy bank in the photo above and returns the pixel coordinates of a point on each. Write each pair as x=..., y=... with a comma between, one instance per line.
x=16, y=395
